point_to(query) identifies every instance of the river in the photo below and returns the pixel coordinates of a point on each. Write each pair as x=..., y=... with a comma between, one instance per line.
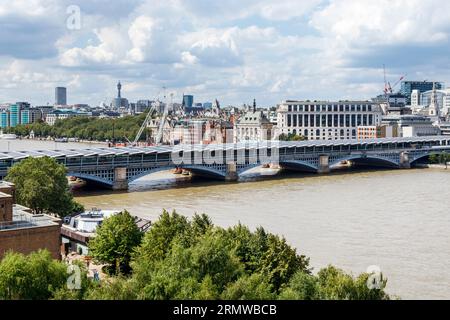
x=398, y=220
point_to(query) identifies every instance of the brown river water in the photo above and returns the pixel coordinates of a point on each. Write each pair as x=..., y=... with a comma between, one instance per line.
x=398, y=220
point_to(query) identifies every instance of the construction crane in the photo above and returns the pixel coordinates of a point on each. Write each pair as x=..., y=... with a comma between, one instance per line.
x=143, y=126
x=148, y=117
x=388, y=89
x=163, y=120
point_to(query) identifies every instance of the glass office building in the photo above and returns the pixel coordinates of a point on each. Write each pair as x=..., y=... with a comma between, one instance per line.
x=4, y=119
x=422, y=86
x=14, y=113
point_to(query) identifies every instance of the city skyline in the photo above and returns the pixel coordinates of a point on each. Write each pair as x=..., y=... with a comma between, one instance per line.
x=232, y=51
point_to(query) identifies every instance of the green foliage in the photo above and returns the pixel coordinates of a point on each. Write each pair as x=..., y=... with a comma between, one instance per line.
x=254, y=287
x=291, y=137
x=87, y=128
x=185, y=259
x=302, y=286
x=42, y=185
x=441, y=158
x=115, y=241
x=33, y=277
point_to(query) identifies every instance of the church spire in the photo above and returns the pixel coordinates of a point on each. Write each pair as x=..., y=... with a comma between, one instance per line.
x=434, y=107
x=254, y=105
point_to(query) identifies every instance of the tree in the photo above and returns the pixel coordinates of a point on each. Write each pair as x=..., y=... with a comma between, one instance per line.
x=335, y=284
x=41, y=185
x=115, y=241
x=291, y=137
x=33, y=277
x=254, y=287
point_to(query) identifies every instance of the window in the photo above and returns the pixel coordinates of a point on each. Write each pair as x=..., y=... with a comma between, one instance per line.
x=307, y=108
x=317, y=120
x=341, y=108
x=306, y=120
x=311, y=120
x=300, y=120
x=289, y=108
x=289, y=120
x=295, y=120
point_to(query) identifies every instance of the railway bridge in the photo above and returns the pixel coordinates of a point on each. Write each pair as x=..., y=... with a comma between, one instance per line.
x=117, y=167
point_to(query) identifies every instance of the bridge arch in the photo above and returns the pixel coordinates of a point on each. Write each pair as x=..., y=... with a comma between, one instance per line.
x=93, y=178
x=201, y=170
x=368, y=160
x=298, y=165
x=425, y=155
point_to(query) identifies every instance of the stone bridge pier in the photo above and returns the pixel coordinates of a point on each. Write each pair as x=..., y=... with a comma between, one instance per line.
x=324, y=164
x=120, y=179
x=404, y=160
x=231, y=174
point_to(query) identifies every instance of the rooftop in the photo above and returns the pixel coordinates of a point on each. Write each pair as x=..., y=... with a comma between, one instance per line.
x=23, y=218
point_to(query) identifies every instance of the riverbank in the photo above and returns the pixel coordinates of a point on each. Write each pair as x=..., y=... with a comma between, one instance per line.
x=395, y=219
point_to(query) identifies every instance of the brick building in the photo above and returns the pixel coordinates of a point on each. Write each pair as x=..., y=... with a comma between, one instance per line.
x=23, y=232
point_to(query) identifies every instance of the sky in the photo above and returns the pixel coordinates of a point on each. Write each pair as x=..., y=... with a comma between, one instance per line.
x=234, y=50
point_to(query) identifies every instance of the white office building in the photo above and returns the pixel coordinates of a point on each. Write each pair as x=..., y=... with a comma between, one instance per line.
x=326, y=120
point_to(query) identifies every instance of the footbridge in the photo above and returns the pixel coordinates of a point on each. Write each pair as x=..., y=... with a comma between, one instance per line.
x=117, y=167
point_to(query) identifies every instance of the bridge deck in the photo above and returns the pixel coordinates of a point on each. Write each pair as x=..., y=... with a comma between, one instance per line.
x=392, y=143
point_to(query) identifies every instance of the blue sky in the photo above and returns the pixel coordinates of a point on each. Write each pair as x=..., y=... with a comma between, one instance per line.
x=233, y=50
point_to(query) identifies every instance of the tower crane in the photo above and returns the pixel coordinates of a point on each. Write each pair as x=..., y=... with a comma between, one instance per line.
x=388, y=89
x=147, y=119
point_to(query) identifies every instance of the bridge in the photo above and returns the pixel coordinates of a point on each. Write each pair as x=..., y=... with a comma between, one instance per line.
x=117, y=167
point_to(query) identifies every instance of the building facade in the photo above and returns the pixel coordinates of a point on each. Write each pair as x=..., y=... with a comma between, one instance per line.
x=60, y=96
x=407, y=88
x=326, y=120
x=52, y=117
x=15, y=114
x=376, y=132
x=23, y=232
x=253, y=125
x=411, y=125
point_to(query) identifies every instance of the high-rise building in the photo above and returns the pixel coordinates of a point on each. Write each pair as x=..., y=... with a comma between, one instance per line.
x=119, y=102
x=60, y=96
x=422, y=86
x=14, y=115
x=188, y=101
x=4, y=118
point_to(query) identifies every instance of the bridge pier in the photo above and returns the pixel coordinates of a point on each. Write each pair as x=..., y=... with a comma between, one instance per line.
x=404, y=160
x=231, y=174
x=120, y=179
x=324, y=164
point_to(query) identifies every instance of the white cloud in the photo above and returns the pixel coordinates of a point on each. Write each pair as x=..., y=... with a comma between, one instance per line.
x=233, y=50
